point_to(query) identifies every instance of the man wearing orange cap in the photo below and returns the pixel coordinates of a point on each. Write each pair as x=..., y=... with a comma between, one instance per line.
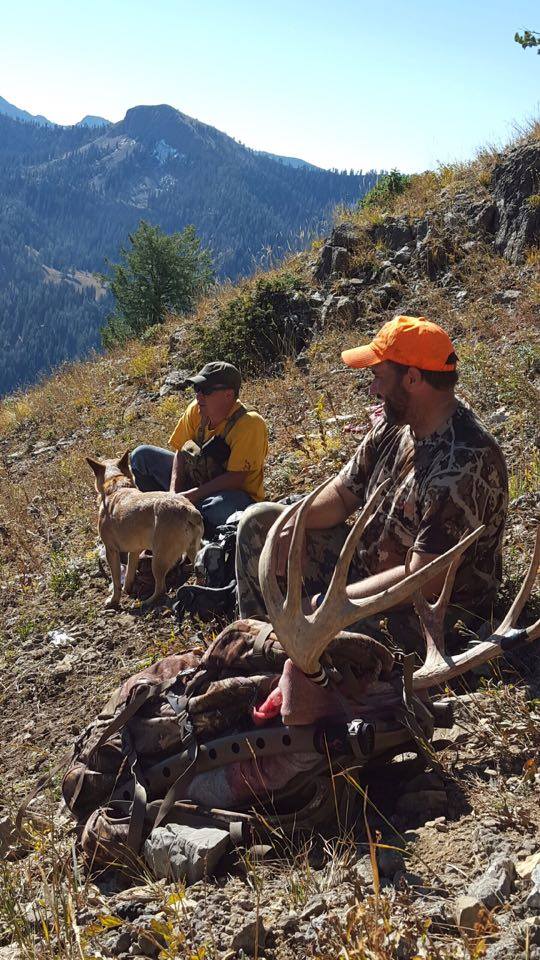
x=447, y=476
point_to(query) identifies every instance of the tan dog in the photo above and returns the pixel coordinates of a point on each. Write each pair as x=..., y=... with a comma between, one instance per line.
x=131, y=521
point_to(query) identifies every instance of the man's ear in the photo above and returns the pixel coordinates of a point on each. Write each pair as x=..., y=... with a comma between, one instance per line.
x=414, y=376
x=123, y=463
x=97, y=466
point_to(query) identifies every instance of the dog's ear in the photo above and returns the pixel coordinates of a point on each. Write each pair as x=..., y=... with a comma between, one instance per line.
x=123, y=463
x=97, y=466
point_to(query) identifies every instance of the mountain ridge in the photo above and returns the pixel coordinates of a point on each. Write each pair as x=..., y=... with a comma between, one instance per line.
x=75, y=193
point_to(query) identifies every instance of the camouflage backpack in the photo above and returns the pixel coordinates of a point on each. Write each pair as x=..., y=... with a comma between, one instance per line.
x=167, y=710
x=190, y=714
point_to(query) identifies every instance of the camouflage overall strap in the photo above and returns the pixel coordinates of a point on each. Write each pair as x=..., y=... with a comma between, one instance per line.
x=233, y=419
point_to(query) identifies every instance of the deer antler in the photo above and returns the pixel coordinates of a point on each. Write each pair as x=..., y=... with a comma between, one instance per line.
x=305, y=637
x=438, y=667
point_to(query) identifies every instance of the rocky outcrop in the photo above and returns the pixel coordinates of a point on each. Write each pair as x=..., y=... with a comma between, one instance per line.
x=335, y=255
x=516, y=189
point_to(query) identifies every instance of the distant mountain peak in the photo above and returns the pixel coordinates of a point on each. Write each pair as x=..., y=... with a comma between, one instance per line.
x=10, y=110
x=90, y=121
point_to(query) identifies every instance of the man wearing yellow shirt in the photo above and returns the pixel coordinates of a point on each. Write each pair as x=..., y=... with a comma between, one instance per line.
x=220, y=449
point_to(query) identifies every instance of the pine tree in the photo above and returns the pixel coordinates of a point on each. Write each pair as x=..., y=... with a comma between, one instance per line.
x=159, y=272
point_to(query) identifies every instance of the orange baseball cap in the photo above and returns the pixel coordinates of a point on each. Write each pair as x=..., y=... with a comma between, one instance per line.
x=412, y=341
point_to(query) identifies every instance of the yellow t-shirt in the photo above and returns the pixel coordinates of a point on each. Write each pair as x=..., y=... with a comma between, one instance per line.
x=248, y=440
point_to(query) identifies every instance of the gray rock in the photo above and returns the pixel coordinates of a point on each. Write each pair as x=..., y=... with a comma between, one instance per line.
x=532, y=902
x=437, y=911
x=316, y=906
x=467, y=912
x=524, y=868
x=403, y=256
x=346, y=310
x=177, y=851
x=515, y=181
x=115, y=942
x=176, y=340
x=364, y=871
x=332, y=261
x=389, y=293
x=342, y=309
x=499, y=416
x=494, y=886
x=507, y=947
x=340, y=261
x=506, y=296
x=389, y=862
x=174, y=382
x=149, y=943
x=532, y=924
x=394, y=233
x=533, y=899
x=250, y=935
x=485, y=217
x=345, y=235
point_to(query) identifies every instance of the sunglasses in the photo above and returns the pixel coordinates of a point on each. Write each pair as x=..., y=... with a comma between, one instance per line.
x=206, y=391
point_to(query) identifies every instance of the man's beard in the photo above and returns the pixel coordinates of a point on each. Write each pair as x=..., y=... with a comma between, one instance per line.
x=396, y=410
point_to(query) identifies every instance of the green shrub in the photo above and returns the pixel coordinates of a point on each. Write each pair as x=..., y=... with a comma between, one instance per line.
x=390, y=185
x=64, y=577
x=265, y=321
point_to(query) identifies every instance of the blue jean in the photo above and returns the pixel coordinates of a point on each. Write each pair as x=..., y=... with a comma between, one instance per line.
x=152, y=468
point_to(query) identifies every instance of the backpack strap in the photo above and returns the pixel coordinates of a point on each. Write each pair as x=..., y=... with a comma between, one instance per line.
x=200, y=432
x=187, y=762
x=233, y=420
x=230, y=423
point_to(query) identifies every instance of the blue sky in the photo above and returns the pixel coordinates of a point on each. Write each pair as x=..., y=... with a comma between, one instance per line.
x=343, y=84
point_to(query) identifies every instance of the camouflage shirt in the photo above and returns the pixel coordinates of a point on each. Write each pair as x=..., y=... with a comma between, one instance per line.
x=442, y=486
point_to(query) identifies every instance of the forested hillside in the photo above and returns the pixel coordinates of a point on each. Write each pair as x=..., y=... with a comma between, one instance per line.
x=70, y=196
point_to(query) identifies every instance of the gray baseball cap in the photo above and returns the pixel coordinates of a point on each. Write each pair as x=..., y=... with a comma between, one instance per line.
x=216, y=374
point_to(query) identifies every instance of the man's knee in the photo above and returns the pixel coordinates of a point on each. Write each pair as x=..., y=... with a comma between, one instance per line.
x=137, y=459
x=151, y=467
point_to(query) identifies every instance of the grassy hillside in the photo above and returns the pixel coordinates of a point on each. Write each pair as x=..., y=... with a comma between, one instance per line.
x=286, y=328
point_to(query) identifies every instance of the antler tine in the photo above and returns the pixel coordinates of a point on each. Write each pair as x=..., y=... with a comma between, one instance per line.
x=526, y=587
x=293, y=600
x=341, y=570
x=338, y=612
x=281, y=609
x=352, y=610
x=431, y=615
x=504, y=639
x=273, y=597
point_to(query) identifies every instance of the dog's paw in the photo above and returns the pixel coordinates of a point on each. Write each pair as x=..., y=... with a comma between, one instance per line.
x=112, y=604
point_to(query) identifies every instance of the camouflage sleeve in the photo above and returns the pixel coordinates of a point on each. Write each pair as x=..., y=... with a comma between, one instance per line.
x=455, y=502
x=356, y=473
